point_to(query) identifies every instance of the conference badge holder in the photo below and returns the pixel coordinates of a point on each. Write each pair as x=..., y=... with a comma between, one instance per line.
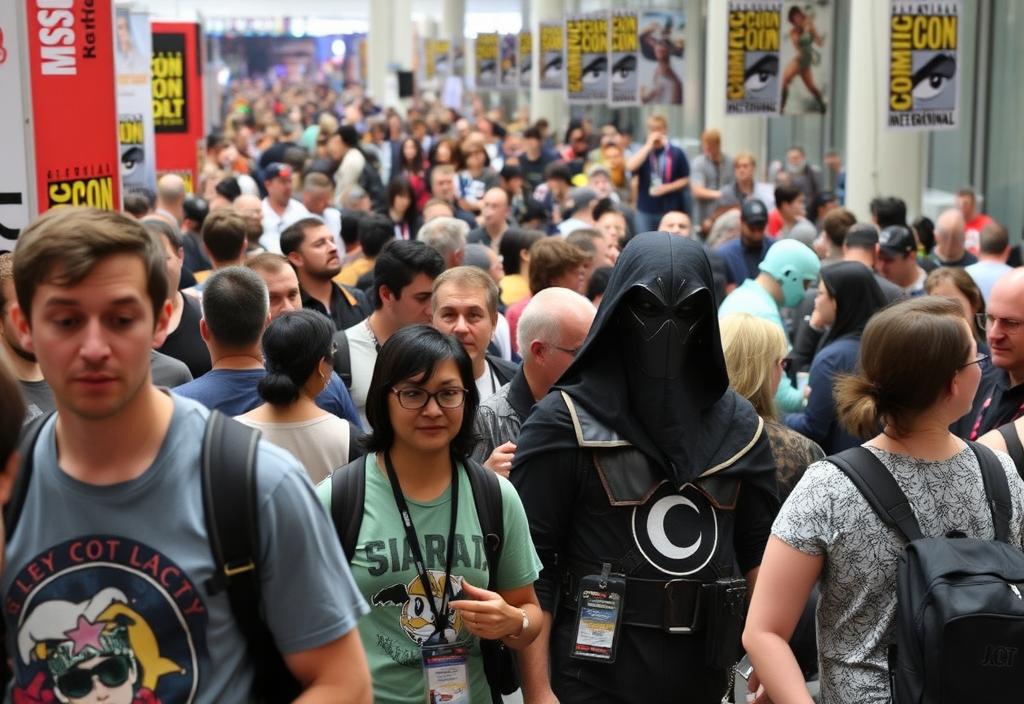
x=599, y=616
x=446, y=668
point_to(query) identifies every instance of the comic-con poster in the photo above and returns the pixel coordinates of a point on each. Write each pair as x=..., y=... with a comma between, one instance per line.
x=486, y=53
x=552, y=55
x=525, y=58
x=806, y=57
x=586, y=58
x=435, y=58
x=509, y=61
x=662, y=44
x=924, y=51
x=132, y=52
x=623, y=42
x=753, y=39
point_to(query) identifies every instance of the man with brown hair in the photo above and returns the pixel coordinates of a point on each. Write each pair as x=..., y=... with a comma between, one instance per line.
x=22, y=363
x=662, y=175
x=121, y=458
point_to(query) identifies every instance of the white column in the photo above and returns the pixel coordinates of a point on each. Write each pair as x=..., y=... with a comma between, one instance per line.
x=739, y=132
x=547, y=104
x=453, y=19
x=390, y=44
x=878, y=161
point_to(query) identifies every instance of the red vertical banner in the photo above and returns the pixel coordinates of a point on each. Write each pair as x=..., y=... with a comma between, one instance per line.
x=177, y=81
x=74, y=103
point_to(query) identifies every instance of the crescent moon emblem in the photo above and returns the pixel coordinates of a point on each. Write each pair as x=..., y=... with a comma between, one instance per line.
x=656, y=528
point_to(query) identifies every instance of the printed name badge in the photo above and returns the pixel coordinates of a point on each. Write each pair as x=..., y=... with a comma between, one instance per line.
x=447, y=671
x=598, y=616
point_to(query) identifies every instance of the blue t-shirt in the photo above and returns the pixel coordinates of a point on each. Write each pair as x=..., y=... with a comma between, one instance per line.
x=671, y=166
x=99, y=572
x=819, y=421
x=741, y=263
x=233, y=392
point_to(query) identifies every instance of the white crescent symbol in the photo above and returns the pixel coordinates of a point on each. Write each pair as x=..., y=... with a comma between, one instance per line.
x=656, y=528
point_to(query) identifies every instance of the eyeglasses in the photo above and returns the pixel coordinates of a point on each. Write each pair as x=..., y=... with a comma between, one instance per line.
x=978, y=359
x=413, y=399
x=1010, y=325
x=571, y=352
x=77, y=683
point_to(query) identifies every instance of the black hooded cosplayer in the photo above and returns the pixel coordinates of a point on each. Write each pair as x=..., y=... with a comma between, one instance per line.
x=643, y=458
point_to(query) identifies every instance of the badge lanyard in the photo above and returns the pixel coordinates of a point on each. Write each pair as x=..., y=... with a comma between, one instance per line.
x=440, y=612
x=656, y=166
x=981, y=417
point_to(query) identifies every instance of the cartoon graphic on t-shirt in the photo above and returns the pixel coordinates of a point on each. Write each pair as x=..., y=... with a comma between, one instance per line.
x=105, y=619
x=417, y=615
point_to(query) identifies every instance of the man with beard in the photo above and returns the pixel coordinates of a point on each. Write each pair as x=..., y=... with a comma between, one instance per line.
x=650, y=490
x=309, y=246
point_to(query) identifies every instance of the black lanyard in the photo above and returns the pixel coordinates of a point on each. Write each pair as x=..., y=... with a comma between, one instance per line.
x=440, y=612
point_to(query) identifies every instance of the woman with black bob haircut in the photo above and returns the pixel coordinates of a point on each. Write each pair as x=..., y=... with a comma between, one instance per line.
x=297, y=352
x=415, y=490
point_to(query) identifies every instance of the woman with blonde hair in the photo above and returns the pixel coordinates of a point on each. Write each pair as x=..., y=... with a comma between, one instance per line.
x=755, y=356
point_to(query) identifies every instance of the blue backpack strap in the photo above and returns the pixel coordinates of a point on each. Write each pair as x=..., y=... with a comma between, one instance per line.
x=874, y=481
x=997, y=490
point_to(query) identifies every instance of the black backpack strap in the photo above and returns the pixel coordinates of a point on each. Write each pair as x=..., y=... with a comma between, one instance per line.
x=874, y=481
x=487, y=498
x=342, y=359
x=997, y=490
x=348, y=494
x=26, y=453
x=1014, y=448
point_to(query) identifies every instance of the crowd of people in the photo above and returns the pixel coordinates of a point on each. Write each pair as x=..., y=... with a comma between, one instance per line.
x=512, y=411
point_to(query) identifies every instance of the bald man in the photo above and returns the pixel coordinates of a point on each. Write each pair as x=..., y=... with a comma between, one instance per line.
x=170, y=199
x=551, y=331
x=494, y=212
x=1000, y=396
x=950, y=249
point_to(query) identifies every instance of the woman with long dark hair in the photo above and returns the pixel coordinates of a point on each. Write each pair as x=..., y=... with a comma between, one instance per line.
x=412, y=166
x=402, y=210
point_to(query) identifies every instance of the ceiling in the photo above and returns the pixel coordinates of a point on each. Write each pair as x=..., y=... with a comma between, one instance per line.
x=328, y=9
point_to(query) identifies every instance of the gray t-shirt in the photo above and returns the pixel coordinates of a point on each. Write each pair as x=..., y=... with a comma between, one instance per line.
x=100, y=572
x=826, y=515
x=168, y=371
x=38, y=398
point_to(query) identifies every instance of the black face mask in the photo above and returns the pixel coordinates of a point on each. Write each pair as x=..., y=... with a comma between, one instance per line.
x=658, y=324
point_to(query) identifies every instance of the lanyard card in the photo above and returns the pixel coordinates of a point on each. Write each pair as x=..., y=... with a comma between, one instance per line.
x=446, y=668
x=599, y=616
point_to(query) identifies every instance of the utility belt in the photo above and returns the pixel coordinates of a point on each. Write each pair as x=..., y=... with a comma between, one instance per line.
x=678, y=606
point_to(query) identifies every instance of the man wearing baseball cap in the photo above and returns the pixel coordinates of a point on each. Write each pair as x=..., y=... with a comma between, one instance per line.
x=743, y=255
x=897, y=259
x=279, y=208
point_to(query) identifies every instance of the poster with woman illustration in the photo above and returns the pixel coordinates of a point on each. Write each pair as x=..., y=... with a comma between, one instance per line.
x=806, y=56
x=662, y=56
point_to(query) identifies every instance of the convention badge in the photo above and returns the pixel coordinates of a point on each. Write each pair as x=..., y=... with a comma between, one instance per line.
x=599, y=616
x=446, y=668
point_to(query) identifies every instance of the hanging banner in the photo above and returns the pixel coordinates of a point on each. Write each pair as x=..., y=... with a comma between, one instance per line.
x=552, y=56
x=132, y=53
x=586, y=58
x=177, y=87
x=509, y=62
x=752, y=57
x=662, y=56
x=15, y=178
x=924, y=52
x=486, y=53
x=437, y=59
x=806, y=58
x=525, y=58
x=74, y=104
x=624, y=43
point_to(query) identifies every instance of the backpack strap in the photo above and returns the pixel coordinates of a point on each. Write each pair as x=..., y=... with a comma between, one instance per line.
x=487, y=499
x=26, y=453
x=348, y=495
x=997, y=490
x=342, y=359
x=874, y=481
x=1014, y=448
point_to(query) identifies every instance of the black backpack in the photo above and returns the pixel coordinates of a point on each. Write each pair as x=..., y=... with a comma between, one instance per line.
x=232, y=523
x=960, y=612
x=371, y=182
x=348, y=495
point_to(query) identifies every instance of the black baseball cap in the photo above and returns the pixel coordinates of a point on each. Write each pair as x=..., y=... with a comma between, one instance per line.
x=754, y=213
x=278, y=170
x=896, y=240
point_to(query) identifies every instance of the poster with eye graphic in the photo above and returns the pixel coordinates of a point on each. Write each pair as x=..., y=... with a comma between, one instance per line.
x=552, y=55
x=924, y=52
x=752, y=57
x=623, y=45
x=586, y=58
x=487, y=56
x=662, y=47
x=509, y=77
x=806, y=57
x=525, y=58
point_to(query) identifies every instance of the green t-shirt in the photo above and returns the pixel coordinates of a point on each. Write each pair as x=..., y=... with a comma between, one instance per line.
x=400, y=617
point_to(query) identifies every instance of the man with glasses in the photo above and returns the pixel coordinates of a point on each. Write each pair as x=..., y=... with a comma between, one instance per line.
x=1000, y=397
x=551, y=331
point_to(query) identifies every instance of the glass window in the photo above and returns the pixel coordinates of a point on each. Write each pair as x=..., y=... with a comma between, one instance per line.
x=1004, y=175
